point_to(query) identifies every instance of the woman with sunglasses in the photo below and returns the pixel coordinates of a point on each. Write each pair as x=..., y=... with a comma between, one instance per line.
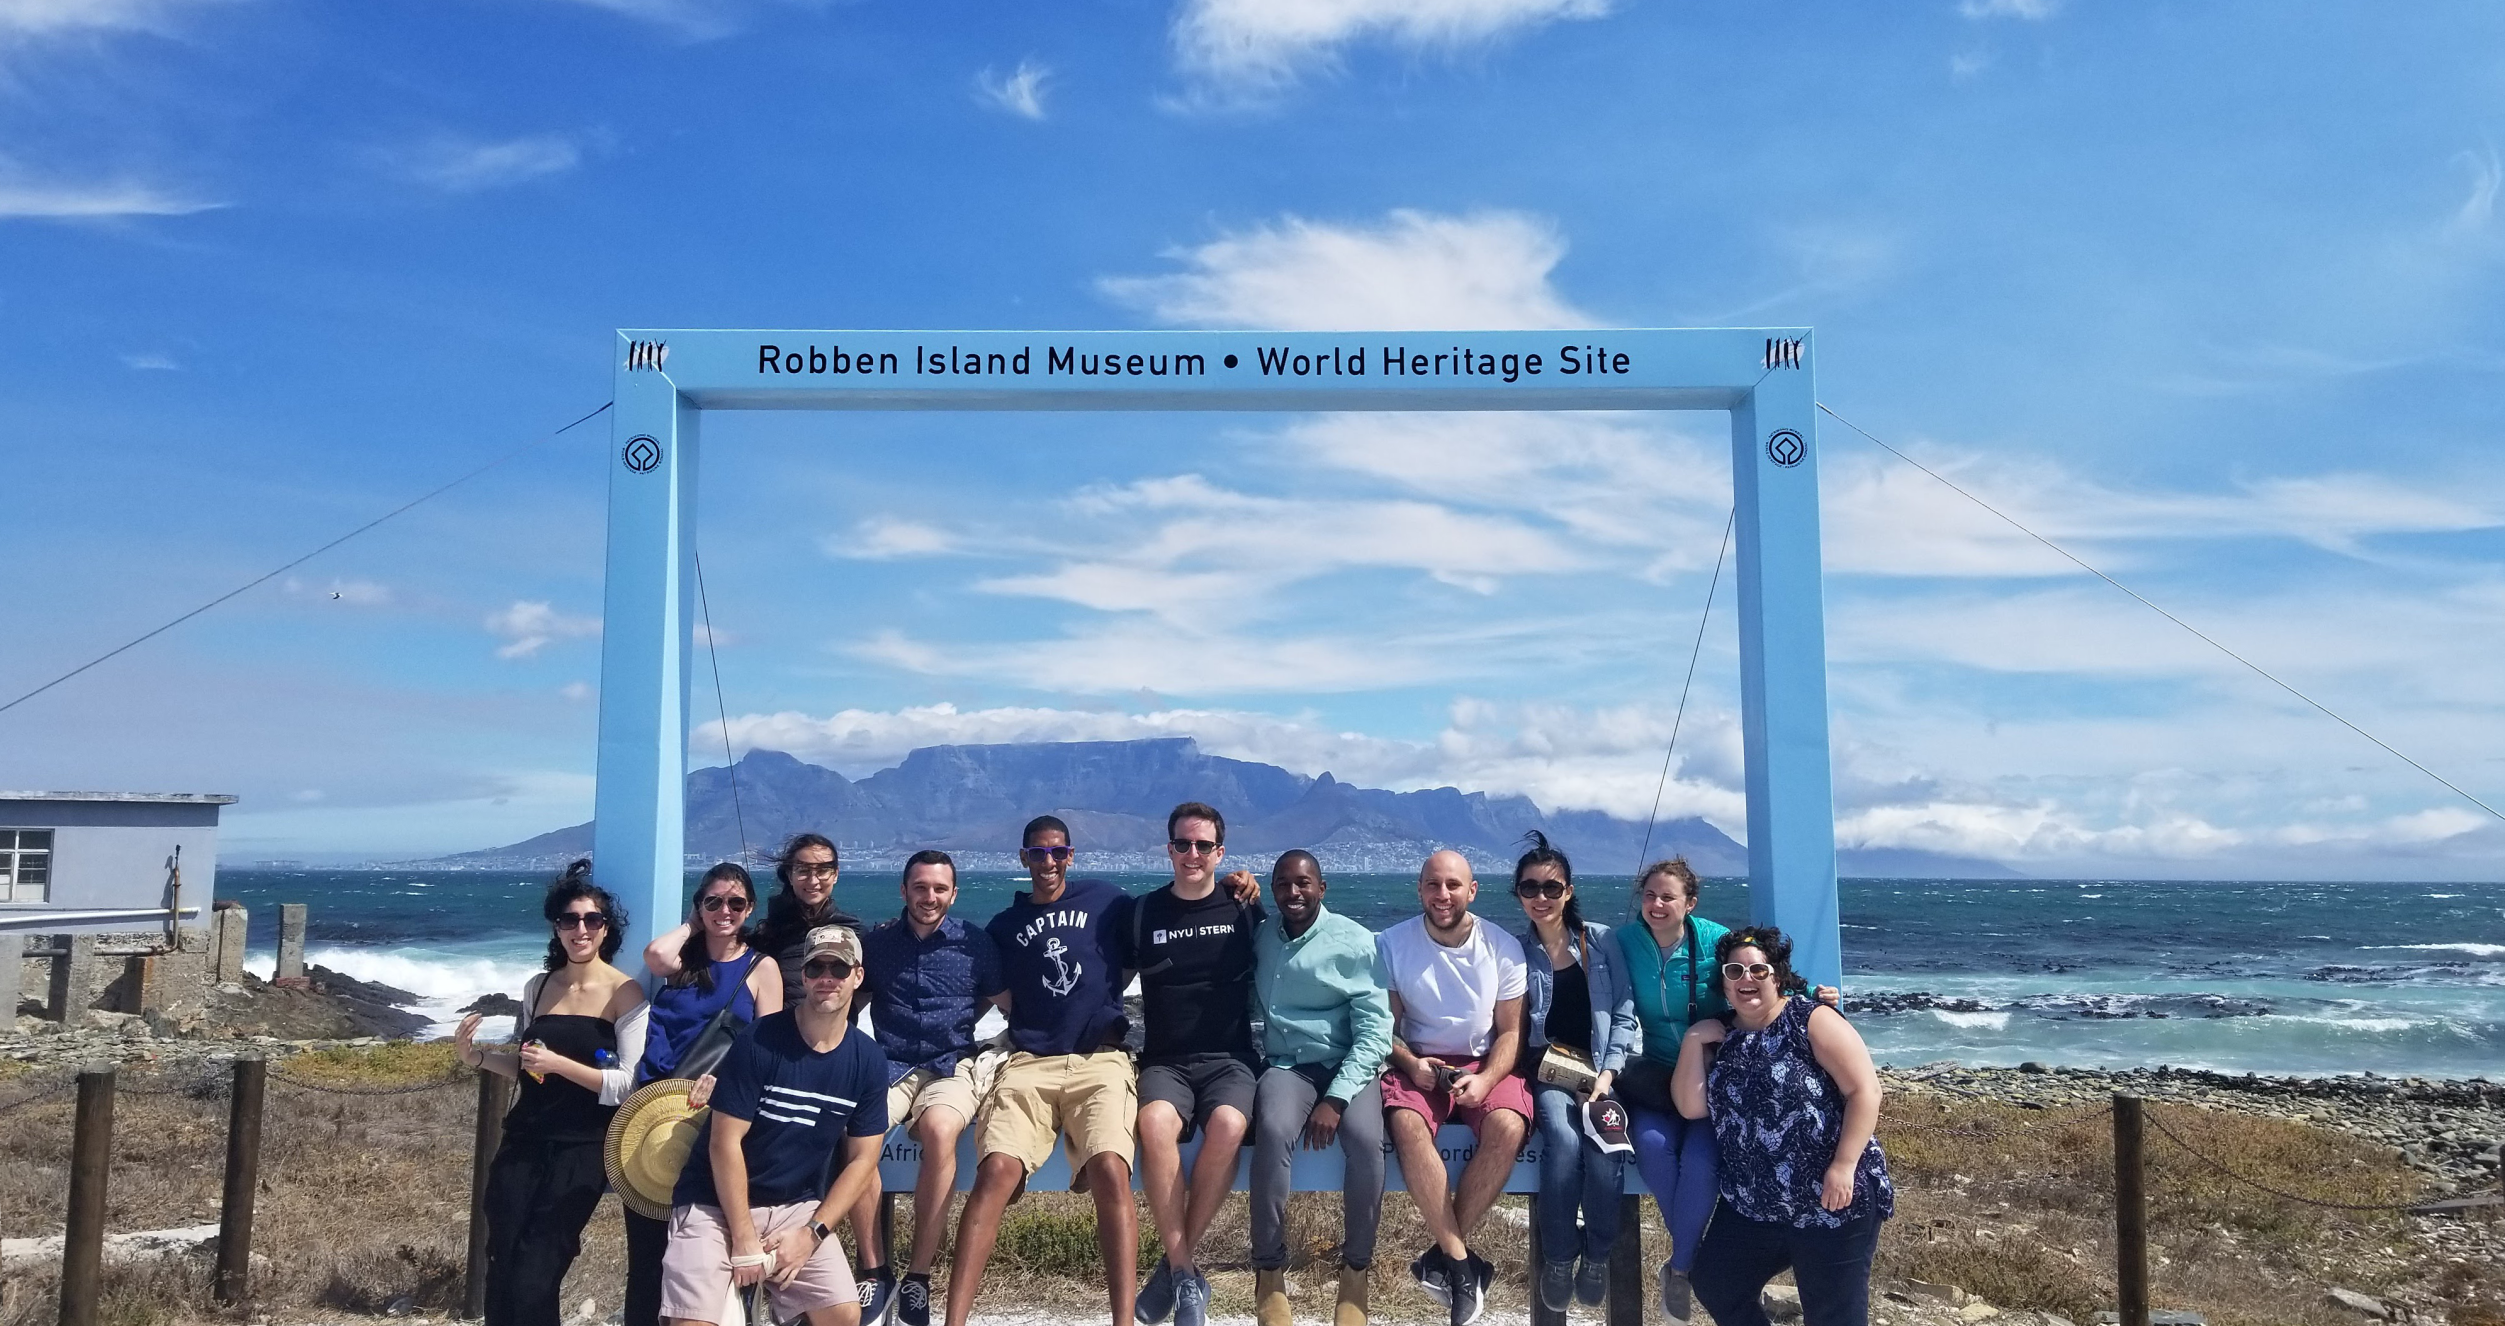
x=718, y=971
x=807, y=868
x=1789, y=1090
x=1577, y=1012
x=578, y=1041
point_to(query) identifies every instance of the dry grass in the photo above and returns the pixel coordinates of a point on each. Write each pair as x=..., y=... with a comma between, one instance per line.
x=365, y=1199
x=2017, y=1207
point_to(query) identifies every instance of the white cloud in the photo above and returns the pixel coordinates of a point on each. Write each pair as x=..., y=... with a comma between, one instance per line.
x=1129, y=655
x=1413, y=270
x=576, y=691
x=25, y=19
x=706, y=637
x=1255, y=45
x=24, y=195
x=458, y=165
x=693, y=20
x=531, y=625
x=2486, y=173
x=151, y=363
x=2033, y=11
x=1020, y=93
x=882, y=538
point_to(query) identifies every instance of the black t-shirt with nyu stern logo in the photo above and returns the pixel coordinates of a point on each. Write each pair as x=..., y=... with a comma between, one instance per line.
x=1195, y=964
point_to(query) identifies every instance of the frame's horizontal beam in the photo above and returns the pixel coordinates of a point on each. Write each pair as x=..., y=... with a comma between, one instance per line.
x=1631, y=369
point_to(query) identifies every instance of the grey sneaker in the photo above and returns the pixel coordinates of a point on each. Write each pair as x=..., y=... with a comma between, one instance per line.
x=1678, y=1302
x=1433, y=1270
x=1156, y=1298
x=1557, y=1285
x=1591, y=1284
x=1191, y=1299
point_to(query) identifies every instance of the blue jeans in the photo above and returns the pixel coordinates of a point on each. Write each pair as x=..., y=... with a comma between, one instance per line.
x=1676, y=1157
x=1831, y=1266
x=1574, y=1173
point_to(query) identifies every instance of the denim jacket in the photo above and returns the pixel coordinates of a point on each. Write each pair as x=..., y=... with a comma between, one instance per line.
x=1613, y=1000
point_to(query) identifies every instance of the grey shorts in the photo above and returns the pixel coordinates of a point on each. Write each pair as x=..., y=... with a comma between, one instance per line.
x=1197, y=1084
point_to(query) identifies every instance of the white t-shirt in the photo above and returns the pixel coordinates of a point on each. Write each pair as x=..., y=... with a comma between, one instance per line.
x=1448, y=995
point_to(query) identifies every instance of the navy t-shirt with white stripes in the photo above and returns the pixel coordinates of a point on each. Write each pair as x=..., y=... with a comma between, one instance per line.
x=800, y=1106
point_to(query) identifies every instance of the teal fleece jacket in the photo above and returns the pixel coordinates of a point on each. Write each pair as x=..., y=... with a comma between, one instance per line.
x=1661, y=989
x=1325, y=999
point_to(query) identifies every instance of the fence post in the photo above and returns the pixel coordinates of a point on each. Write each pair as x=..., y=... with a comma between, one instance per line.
x=290, y=965
x=1540, y=1315
x=491, y=1103
x=1626, y=1264
x=2130, y=1215
x=91, y=1162
x=243, y=1179
x=12, y=976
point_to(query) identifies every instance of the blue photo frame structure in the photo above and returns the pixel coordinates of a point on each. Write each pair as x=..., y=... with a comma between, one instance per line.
x=667, y=379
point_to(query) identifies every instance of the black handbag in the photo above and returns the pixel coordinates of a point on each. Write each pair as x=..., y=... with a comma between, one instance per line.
x=1645, y=1084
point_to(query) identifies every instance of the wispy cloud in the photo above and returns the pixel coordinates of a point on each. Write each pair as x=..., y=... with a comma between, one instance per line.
x=24, y=19
x=26, y=194
x=1020, y=92
x=457, y=165
x=1250, y=46
x=1411, y=270
x=693, y=20
x=2486, y=172
x=884, y=538
x=151, y=363
x=529, y=626
x=2033, y=11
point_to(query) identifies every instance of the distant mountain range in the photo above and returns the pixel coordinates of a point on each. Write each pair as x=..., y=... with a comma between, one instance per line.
x=973, y=800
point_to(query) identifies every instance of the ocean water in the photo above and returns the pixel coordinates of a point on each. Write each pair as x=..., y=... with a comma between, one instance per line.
x=2306, y=978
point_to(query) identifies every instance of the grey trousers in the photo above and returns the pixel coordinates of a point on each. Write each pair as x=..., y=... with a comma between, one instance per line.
x=1281, y=1104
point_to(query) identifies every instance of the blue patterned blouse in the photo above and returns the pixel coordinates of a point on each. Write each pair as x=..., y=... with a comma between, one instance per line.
x=1776, y=1119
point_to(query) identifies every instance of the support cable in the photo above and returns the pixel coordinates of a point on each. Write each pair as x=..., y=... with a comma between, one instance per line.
x=729, y=765
x=1681, y=716
x=2143, y=601
x=290, y=566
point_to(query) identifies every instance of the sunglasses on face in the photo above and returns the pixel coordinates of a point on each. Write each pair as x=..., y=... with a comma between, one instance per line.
x=826, y=969
x=1549, y=889
x=813, y=870
x=582, y=921
x=1192, y=846
x=723, y=902
x=1755, y=971
x=1036, y=856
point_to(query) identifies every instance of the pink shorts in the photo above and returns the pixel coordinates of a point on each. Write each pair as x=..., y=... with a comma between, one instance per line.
x=1513, y=1093
x=696, y=1271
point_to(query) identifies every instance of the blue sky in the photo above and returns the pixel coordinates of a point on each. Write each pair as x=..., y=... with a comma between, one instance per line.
x=2207, y=292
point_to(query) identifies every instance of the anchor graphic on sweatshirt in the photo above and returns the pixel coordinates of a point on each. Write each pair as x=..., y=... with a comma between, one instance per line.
x=1056, y=953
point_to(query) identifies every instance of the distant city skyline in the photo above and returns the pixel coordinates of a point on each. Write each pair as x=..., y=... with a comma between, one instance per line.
x=2208, y=296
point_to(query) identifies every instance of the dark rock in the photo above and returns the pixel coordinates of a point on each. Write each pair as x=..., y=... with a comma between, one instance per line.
x=495, y=1004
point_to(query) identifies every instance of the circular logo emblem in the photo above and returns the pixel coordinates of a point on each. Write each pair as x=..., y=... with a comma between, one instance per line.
x=1786, y=449
x=642, y=453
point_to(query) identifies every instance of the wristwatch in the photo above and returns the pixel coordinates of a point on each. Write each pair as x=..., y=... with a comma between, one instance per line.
x=823, y=1230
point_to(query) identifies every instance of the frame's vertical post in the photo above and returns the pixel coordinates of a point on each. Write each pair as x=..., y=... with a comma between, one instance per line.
x=1783, y=660
x=639, y=820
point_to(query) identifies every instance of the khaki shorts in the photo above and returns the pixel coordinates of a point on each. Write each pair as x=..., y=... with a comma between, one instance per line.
x=696, y=1271
x=921, y=1089
x=1091, y=1100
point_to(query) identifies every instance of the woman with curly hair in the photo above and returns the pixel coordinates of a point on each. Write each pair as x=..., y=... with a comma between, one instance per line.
x=1794, y=1103
x=576, y=1044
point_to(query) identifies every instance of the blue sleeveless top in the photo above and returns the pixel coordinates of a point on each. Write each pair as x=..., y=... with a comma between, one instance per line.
x=680, y=1011
x=1776, y=1119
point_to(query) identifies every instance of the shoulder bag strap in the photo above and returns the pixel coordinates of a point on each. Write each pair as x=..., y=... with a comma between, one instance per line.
x=1690, y=926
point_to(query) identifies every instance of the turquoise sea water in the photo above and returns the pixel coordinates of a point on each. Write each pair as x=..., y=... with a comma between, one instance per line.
x=2264, y=977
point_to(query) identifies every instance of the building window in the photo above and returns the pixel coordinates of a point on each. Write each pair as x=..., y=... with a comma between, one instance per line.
x=25, y=865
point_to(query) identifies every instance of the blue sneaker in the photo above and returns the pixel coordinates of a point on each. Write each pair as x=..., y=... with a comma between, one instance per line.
x=1191, y=1299
x=878, y=1295
x=1156, y=1298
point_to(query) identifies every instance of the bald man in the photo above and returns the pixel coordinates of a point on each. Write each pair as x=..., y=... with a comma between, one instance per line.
x=1456, y=989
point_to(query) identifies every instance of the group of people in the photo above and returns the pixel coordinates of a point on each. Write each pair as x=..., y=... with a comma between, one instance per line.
x=1275, y=1022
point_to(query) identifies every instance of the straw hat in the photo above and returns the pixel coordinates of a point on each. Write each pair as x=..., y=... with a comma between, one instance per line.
x=648, y=1144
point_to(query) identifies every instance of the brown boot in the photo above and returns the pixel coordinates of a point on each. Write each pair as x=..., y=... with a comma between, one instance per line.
x=1352, y=1298
x=1270, y=1298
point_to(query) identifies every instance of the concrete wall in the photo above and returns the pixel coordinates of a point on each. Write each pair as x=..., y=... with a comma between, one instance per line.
x=112, y=854
x=129, y=971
